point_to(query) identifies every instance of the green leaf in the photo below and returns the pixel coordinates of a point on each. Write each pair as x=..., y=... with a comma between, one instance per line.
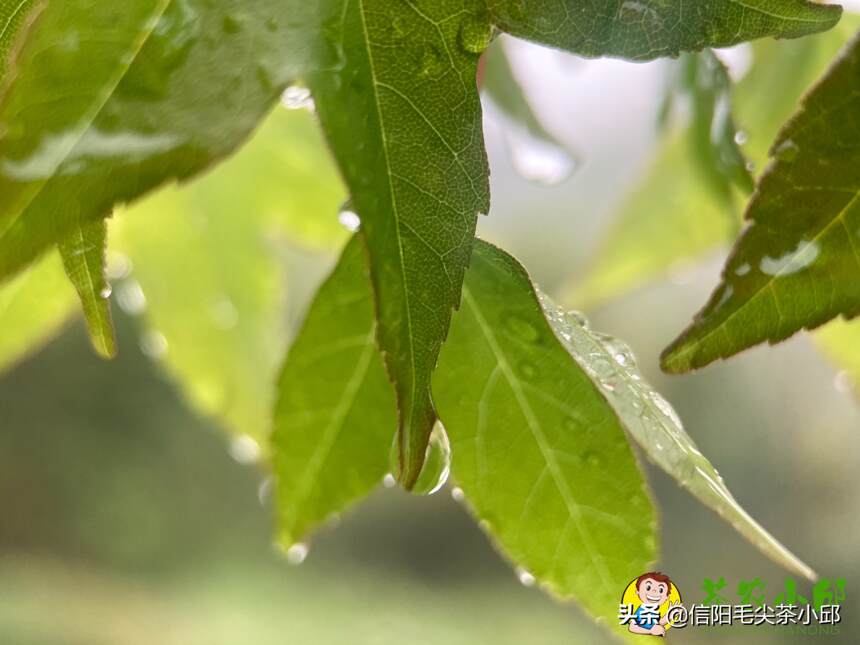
x=335, y=417
x=16, y=16
x=83, y=254
x=668, y=219
x=534, y=402
x=539, y=454
x=113, y=99
x=33, y=308
x=403, y=118
x=648, y=29
x=797, y=264
x=209, y=259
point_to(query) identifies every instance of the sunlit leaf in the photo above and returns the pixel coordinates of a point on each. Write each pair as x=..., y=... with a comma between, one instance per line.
x=208, y=259
x=33, y=307
x=112, y=99
x=668, y=219
x=649, y=29
x=797, y=264
x=539, y=454
x=83, y=254
x=335, y=417
x=403, y=118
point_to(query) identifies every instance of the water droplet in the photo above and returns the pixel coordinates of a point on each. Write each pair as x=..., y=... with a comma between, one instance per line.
x=131, y=299
x=527, y=370
x=244, y=449
x=522, y=328
x=297, y=97
x=437, y=463
x=457, y=494
x=231, y=25
x=526, y=579
x=750, y=166
x=741, y=138
x=843, y=382
x=536, y=159
x=476, y=32
x=153, y=344
x=786, y=151
x=592, y=459
x=118, y=266
x=348, y=218
x=389, y=481
x=297, y=553
x=106, y=291
x=224, y=313
x=433, y=64
x=578, y=318
x=264, y=491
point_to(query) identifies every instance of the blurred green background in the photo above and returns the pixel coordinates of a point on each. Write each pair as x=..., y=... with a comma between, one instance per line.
x=126, y=521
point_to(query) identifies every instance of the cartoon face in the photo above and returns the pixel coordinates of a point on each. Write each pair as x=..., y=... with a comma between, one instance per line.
x=653, y=592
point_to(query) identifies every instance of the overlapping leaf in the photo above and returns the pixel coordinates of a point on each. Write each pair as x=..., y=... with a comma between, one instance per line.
x=83, y=253
x=647, y=29
x=209, y=272
x=797, y=264
x=15, y=18
x=668, y=219
x=541, y=457
x=112, y=99
x=403, y=118
x=336, y=416
x=534, y=403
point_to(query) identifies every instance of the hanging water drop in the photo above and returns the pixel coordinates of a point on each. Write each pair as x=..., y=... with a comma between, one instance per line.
x=526, y=579
x=457, y=494
x=348, y=218
x=389, y=481
x=245, y=449
x=537, y=159
x=297, y=553
x=106, y=292
x=741, y=138
x=297, y=97
x=437, y=463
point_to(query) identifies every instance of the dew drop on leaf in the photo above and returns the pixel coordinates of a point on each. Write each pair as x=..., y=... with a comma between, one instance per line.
x=106, y=292
x=786, y=151
x=297, y=97
x=457, y=494
x=476, y=32
x=526, y=579
x=389, y=481
x=522, y=328
x=527, y=370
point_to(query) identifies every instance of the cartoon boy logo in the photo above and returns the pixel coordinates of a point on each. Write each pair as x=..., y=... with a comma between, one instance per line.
x=647, y=603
